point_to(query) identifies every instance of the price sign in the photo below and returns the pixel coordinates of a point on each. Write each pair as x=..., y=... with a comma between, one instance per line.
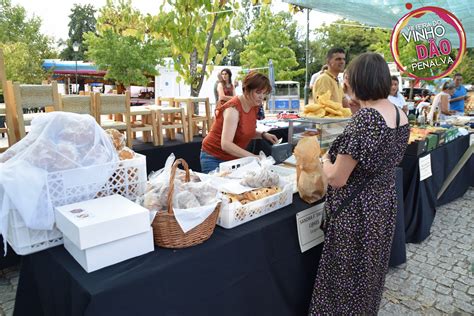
x=425, y=167
x=307, y=223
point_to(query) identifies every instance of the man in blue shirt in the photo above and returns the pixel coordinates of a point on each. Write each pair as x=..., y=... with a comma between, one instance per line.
x=460, y=94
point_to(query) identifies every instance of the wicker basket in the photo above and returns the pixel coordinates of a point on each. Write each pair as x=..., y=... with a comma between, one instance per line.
x=166, y=231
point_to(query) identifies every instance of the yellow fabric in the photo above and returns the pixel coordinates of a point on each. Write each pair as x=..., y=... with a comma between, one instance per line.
x=325, y=82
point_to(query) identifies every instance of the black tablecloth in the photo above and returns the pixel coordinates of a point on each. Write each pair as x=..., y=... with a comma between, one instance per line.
x=254, y=269
x=420, y=198
x=398, y=253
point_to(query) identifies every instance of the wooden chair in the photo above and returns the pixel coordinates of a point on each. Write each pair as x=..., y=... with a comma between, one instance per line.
x=77, y=104
x=168, y=119
x=27, y=97
x=9, y=120
x=147, y=125
x=8, y=116
x=109, y=104
x=192, y=119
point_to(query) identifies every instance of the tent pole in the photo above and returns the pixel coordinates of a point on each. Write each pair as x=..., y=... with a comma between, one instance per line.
x=306, y=85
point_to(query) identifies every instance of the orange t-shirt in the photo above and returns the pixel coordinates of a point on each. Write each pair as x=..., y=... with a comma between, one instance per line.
x=244, y=133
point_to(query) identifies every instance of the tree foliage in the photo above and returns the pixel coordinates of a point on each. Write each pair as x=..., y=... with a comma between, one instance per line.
x=466, y=68
x=242, y=25
x=352, y=36
x=123, y=45
x=193, y=29
x=23, y=45
x=82, y=20
x=271, y=39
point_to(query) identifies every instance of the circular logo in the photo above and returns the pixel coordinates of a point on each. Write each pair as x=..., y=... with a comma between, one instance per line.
x=422, y=49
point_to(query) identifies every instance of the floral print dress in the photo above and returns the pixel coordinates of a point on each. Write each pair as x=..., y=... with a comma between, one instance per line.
x=357, y=244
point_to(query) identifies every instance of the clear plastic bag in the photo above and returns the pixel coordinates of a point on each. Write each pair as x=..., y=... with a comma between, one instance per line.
x=58, y=141
x=263, y=177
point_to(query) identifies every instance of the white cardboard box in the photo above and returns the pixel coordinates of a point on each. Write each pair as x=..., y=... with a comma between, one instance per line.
x=95, y=222
x=105, y=255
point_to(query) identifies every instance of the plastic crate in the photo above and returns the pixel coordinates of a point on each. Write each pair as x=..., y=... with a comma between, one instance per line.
x=431, y=141
x=235, y=214
x=236, y=163
x=451, y=134
x=127, y=178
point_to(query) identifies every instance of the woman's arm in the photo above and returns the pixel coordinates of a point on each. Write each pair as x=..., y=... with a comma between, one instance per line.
x=220, y=92
x=231, y=119
x=338, y=172
x=444, y=106
x=264, y=135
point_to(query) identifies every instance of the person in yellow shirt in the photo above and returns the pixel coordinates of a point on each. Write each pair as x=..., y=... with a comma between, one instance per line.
x=336, y=61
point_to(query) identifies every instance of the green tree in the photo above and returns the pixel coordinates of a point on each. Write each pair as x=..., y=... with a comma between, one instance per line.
x=270, y=39
x=123, y=45
x=466, y=68
x=193, y=29
x=82, y=20
x=352, y=36
x=242, y=25
x=23, y=45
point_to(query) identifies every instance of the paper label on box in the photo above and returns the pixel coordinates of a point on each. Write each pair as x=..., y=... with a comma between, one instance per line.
x=425, y=167
x=308, y=223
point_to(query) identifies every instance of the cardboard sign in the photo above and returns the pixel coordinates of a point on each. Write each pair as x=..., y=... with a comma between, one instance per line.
x=307, y=223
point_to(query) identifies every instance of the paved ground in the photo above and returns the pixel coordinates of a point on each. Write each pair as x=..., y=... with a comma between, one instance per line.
x=438, y=278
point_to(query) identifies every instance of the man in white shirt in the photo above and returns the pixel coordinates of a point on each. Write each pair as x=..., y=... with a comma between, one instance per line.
x=395, y=96
x=315, y=76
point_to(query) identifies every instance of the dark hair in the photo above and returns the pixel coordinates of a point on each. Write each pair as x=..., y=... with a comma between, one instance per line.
x=369, y=77
x=457, y=75
x=448, y=85
x=333, y=51
x=227, y=70
x=256, y=81
x=395, y=78
x=324, y=67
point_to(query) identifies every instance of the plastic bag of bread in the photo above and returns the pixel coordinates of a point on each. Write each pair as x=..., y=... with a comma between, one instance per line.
x=156, y=196
x=263, y=177
x=203, y=191
x=57, y=141
x=185, y=200
x=311, y=181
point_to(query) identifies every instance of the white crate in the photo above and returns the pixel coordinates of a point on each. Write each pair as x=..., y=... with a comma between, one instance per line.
x=235, y=214
x=127, y=178
x=236, y=163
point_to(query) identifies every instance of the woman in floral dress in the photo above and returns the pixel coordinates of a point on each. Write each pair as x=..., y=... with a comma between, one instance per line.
x=356, y=251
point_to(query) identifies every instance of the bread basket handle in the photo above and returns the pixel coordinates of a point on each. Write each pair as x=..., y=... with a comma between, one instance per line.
x=171, y=185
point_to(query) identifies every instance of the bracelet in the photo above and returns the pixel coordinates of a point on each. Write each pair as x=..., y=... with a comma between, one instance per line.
x=261, y=135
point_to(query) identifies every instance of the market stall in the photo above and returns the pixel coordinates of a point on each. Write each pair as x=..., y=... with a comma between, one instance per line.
x=234, y=267
x=420, y=197
x=253, y=269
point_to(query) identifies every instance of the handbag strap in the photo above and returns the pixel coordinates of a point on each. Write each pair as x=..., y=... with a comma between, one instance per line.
x=398, y=115
x=366, y=181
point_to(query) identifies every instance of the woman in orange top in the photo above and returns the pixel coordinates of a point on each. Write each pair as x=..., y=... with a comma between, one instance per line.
x=235, y=124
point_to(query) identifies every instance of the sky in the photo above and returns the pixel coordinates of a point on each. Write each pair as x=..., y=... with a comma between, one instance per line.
x=55, y=13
